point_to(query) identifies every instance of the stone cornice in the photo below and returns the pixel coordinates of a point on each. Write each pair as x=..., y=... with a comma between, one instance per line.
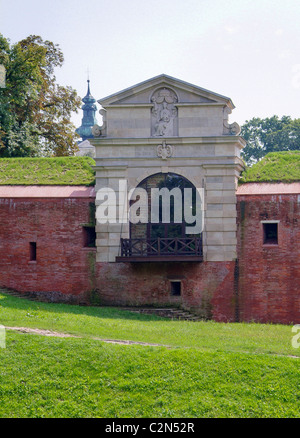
x=126, y=142
x=204, y=161
x=150, y=105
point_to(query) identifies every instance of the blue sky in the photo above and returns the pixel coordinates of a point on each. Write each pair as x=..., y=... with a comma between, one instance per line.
x=246, y=50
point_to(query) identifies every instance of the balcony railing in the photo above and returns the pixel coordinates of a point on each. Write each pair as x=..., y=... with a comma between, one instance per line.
x=162, y=249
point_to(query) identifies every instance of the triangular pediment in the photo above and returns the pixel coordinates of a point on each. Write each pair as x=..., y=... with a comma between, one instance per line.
x=187, y=93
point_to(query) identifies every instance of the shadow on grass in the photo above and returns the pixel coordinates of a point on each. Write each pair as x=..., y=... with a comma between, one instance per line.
x=22, y=303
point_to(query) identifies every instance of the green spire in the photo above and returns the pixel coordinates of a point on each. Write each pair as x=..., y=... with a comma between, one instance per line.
x=89, y=118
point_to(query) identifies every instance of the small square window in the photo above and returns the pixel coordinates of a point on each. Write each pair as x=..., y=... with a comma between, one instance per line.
x=89, y=237
x=270, y=233
x=175, y=288
x=32, y=251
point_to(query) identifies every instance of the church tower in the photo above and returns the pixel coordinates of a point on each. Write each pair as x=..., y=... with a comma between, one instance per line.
x=89, y=118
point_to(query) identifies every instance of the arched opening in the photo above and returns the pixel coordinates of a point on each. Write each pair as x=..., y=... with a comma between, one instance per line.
x=168, y=223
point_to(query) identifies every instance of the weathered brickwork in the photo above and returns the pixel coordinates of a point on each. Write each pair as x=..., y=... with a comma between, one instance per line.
x=262, y=285
x=63, y=267
x=269, y=274
x=206, y=288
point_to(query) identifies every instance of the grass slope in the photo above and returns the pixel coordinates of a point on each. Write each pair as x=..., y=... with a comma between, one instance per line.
x=67, y=378
x=112, y=323
x=208, y=370
x=47, y=171
x=274, y=167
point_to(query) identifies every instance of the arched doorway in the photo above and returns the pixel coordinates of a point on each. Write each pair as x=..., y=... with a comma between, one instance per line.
x=168, y=231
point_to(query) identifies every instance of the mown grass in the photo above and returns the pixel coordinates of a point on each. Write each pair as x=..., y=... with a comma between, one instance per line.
x=116, y=324
x=274, y=167
x=207, y=370
x=47, y=171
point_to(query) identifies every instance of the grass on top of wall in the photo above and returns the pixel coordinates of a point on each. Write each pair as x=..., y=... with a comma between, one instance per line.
x=274, y=167
x=47, y=171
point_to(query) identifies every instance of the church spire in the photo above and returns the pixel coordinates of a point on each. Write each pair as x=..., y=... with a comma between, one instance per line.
x=89, y=118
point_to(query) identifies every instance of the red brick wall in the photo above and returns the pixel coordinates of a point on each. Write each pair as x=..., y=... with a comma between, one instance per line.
x=262, y=286
x=269, y=275
x=63, y=266
x=65, y=271
x=207, y=288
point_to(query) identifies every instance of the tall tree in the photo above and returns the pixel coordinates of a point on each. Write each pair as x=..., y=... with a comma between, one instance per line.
x=269, y=135
x=35, y=111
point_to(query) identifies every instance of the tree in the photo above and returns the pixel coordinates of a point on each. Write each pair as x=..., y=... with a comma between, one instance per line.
x=269, y=135
x=35, y=111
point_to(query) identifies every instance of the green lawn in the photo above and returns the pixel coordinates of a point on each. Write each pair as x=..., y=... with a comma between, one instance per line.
x=202, y=369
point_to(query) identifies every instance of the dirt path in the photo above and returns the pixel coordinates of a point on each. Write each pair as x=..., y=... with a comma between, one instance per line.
x=109, y=341
x=66, y=335
x=41, y=332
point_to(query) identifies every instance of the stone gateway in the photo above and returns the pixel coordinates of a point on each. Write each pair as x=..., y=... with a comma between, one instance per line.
x=168, y=136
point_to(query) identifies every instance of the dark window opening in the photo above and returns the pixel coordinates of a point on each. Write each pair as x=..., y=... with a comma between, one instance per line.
x=89, y=237
x=270, y=236
x=32, y=251
x=175, y=288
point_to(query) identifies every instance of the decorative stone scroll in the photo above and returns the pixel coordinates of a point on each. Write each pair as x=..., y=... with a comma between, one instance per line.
x=164, y=150
x=97, y=130
x=230, y=128
x=164, y=113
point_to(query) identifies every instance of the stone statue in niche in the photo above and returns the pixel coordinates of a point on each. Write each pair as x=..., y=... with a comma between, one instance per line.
x=164, y=113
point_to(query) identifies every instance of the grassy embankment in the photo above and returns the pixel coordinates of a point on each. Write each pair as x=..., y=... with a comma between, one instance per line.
x=47, y=171
x=201, y=369
x=274, y=167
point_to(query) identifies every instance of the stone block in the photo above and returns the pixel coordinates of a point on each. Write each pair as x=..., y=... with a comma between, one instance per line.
x=215, y=256
x=102, y=257
x=114, y=242
x=103, y=243
x=214, y=187
x=214, y=207
x=214, y=237
x=101, y=235
x=101, y=228
x=229, y=224
x=213, y=214
x=214, y=179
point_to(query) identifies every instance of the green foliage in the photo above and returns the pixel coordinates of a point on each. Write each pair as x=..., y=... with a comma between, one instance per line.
x=34, y=110
x=274, y=167
x=269, y=135
x=47, y=171
x=208, y=369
